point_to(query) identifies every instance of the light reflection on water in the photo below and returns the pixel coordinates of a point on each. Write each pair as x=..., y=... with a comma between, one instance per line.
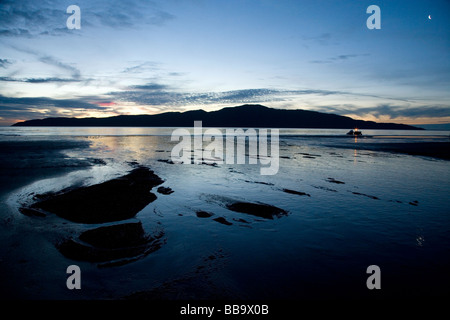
x=145, y=131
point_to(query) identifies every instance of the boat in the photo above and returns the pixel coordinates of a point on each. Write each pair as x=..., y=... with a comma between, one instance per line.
x=354, y=132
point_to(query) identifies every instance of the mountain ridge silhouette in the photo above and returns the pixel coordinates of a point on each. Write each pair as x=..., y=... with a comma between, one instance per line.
x=244, y=116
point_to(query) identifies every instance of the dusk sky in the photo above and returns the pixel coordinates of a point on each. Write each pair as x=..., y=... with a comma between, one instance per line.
x=146, y=57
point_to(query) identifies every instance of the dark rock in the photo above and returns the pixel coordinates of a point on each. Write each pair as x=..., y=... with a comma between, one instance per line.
x=332, y=180
x=325, y=188
x=222, y=220
x=414, y=203
x=309, y=155
x=260, y=210
x=32, y=212
x=166, y=161
x=296, y=192
x=366, y=195
x=116, y=236
x=241, y=220
x=113, y=200
x=165, y=190
x=98, y=161
x=203, y=214
x=260, y=182
x=212, y=164
x=126, y=241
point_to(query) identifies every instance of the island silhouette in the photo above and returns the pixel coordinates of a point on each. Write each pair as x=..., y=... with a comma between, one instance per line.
x=244, y=116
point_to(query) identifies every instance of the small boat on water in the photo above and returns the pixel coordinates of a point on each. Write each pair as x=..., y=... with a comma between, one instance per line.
x=354, y=132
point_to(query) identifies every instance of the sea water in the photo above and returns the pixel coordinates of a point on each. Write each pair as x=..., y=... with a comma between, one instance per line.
x=354, y=208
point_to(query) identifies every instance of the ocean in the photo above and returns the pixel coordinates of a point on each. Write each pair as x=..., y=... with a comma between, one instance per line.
x=345, y=203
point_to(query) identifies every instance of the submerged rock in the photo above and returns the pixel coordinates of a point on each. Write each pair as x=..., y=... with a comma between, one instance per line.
x=120, y=243
x=113, y=200
x=265, y=211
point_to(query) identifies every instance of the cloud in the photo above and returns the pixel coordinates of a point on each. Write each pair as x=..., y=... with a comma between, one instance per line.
x=41, y=107
x=155, y=94
x=4, y=63
x=120, y=14
x=51, y=61
x=64, y=66
x=150, y=86
x=341, y=57
x=323, y=39
x=32, y=102
x=392, y=111
x=38, y=80
x=28, y=18
x=141, y=67
x=21, y=18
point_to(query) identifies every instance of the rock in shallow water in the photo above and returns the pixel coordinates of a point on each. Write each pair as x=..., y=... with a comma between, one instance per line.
x=203, y=214
x=265, y=211
x=113, y=200
x=222, y=220
x=299, y=193
x=165, y=190
x=117, y=244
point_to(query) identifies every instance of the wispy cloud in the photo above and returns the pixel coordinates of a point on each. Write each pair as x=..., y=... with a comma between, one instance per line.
x=160, y=94
x=391, y=111
x=322, y=39
x=32, y=102
x=48, y=60
x=39, y=80
x=28, y=18
x=157, y=94
x=24, y=18
x=342, y=57
x=4, y=63
x=120, y=14
x=150, y=87
x=140, y=67
x=59, y=64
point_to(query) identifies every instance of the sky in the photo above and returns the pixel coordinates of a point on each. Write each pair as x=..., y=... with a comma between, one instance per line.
x=147, y=57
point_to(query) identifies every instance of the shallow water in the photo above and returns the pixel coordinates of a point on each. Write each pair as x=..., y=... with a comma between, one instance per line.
x=359, y=208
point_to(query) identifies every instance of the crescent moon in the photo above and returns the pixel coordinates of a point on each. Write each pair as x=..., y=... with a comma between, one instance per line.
x=429, y=16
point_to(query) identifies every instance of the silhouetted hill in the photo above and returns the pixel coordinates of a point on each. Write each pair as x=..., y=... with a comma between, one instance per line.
x=246, y=116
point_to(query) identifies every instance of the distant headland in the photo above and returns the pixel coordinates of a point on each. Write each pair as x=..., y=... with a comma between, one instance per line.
x=245, y=116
